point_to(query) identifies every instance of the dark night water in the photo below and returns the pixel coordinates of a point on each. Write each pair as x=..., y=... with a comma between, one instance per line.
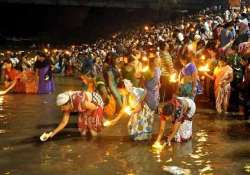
x=219, y=145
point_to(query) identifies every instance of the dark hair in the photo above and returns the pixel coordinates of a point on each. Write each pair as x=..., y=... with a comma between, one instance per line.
x=168, y=109
x=162, y=45
x=41, y=54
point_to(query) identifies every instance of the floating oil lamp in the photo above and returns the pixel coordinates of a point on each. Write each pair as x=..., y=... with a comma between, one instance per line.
x=106, y=123
x=158, y=146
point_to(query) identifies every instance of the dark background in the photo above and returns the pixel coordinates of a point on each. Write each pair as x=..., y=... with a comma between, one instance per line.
x=60, y=24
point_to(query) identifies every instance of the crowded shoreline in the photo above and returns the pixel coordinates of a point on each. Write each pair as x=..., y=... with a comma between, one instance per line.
x=136, y=99
x=205, y=54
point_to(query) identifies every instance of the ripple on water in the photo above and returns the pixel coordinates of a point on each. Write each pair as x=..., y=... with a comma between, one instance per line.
x=2, y=131
x=247, y=168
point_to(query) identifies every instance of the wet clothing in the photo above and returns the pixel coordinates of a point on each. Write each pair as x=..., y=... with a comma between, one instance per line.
x=87, y=120
x=185, y=131
x=140, y=125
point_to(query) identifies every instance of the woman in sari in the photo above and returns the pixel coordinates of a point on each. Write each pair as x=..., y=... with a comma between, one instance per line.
x=223, y=75
x=12, y=78
x=180, y=111
x=188, y=79
x=112, y=76
x=152, y=82
x=141, y=119
x=43, y=71
x=89, y=105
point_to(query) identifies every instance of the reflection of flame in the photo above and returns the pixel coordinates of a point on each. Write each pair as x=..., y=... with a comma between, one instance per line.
x=204, y=68
x=158, y=147
x=173, y=78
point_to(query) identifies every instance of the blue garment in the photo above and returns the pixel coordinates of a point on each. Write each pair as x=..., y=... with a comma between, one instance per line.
x=226, y=37
x=152, y=87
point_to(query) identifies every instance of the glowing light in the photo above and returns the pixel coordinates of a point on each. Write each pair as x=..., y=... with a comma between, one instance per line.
x=144, y=58
x=45, y=50
x=150, y=43
x=203, y=57
x=45, y=136
x=67, y=52
x=55, y=50
x=128, y=110
x=173, y=78
x=146, y=28
x=158, y=145
x=145, y=69
x=106, y=123
x=204, y=68
x=190, y=47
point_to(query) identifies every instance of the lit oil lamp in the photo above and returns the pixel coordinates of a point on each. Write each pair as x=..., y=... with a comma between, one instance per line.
x=158, y=146
x=173, y=78
x=67, y=52
x=144, y=58
x=45, y=50
x=203, y=57
x=145, y=69
x=204, y=68
x=106, y=123
x=128, y=110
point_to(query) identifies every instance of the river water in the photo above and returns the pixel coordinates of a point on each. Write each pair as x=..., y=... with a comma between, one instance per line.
x=220, y=144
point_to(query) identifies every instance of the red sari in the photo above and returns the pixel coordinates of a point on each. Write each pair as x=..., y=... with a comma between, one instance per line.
x=88, y=120
x=11, y=75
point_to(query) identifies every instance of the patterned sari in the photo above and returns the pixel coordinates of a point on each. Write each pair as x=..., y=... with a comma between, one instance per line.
x=184, y=133
x=222, y=93
x=88, y=120
x=140, y=124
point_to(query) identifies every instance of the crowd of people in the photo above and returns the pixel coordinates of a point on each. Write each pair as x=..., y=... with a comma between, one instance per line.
x=154, y=69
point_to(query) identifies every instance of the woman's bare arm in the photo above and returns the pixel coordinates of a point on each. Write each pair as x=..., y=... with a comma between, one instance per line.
x=62, y=124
